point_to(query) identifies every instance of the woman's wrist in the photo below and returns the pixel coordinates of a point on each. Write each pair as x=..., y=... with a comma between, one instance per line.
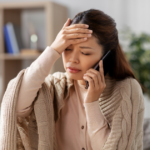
x=55, y=49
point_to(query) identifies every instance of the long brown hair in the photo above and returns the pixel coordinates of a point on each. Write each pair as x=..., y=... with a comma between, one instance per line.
x=104, y=29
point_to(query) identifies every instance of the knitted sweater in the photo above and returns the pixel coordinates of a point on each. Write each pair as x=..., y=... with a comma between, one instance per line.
x=121, y=103
x=81, y=125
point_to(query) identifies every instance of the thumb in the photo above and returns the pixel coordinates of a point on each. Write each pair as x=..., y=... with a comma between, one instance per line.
x=67, y=23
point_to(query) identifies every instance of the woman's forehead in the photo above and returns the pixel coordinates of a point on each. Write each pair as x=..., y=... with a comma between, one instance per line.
x=90, y=42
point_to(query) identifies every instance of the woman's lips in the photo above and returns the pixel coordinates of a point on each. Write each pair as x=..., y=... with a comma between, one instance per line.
x=73, y=70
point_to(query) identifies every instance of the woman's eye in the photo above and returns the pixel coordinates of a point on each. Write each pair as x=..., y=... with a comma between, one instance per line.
x=85, y=54
x=82, y=52
x=67, y=49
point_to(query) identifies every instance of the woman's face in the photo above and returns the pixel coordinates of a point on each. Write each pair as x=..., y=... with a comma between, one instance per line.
x=75, y=56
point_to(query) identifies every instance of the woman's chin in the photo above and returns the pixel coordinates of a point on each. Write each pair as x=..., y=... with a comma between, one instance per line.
x=75, y=76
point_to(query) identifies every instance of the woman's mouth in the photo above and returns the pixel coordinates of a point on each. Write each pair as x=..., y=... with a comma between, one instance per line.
x=73, y=70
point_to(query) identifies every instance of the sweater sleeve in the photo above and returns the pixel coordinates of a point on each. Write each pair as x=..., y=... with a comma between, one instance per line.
x=140, y=121
x=139, y=134
x=32, y=80
x=98, y=128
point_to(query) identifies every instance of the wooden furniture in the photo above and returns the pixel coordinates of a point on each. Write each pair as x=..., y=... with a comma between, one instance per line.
x=10, y=65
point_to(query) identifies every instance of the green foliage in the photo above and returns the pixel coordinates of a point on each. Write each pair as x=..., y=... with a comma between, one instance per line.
x=139, y=58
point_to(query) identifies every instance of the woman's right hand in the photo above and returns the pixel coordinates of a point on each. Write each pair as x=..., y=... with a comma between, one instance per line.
x=68, y=35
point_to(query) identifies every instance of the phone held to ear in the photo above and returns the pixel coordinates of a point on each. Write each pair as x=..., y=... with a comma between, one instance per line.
x=106, y=65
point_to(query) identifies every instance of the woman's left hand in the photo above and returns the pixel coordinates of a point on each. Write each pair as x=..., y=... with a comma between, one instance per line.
x=96, y=83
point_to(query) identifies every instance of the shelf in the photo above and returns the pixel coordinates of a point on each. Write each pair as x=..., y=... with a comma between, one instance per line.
x=18, y=56
x=55, y=15
x=23, y=5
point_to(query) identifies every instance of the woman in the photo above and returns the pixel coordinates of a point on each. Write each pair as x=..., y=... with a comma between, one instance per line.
x=107, y=115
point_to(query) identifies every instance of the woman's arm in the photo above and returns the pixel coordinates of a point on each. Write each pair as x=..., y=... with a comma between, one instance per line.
x=33, y=78
x=138, y=140
x=98, y=128
x=139, y=131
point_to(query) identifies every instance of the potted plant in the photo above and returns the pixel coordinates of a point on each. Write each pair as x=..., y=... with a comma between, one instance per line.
x=138, y=55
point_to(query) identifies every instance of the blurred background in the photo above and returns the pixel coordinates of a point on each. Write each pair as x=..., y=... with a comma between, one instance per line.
x=34, y=25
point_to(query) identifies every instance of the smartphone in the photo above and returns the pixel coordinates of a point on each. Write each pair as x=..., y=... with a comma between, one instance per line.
x=106, y=65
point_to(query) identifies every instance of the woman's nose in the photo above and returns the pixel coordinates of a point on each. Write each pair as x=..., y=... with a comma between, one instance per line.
x=74, y=58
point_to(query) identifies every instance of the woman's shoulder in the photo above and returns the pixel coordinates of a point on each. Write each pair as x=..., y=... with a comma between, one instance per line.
x=130, y=84
x=130, y=89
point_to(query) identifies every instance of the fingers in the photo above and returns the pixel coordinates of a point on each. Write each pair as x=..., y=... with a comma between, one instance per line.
x=74, y=41
x=67, y=23
x=90, y=80
x=97, y=76
x=94, y=77
x=77, y=26
x=102, y=74
x=101, y=70
x=78, y=30
x=76, y=35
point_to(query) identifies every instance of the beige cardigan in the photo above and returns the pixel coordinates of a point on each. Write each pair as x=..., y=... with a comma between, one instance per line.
x=121, y=103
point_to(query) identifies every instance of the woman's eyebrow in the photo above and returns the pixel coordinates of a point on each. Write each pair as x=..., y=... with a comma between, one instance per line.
x=85, y=47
